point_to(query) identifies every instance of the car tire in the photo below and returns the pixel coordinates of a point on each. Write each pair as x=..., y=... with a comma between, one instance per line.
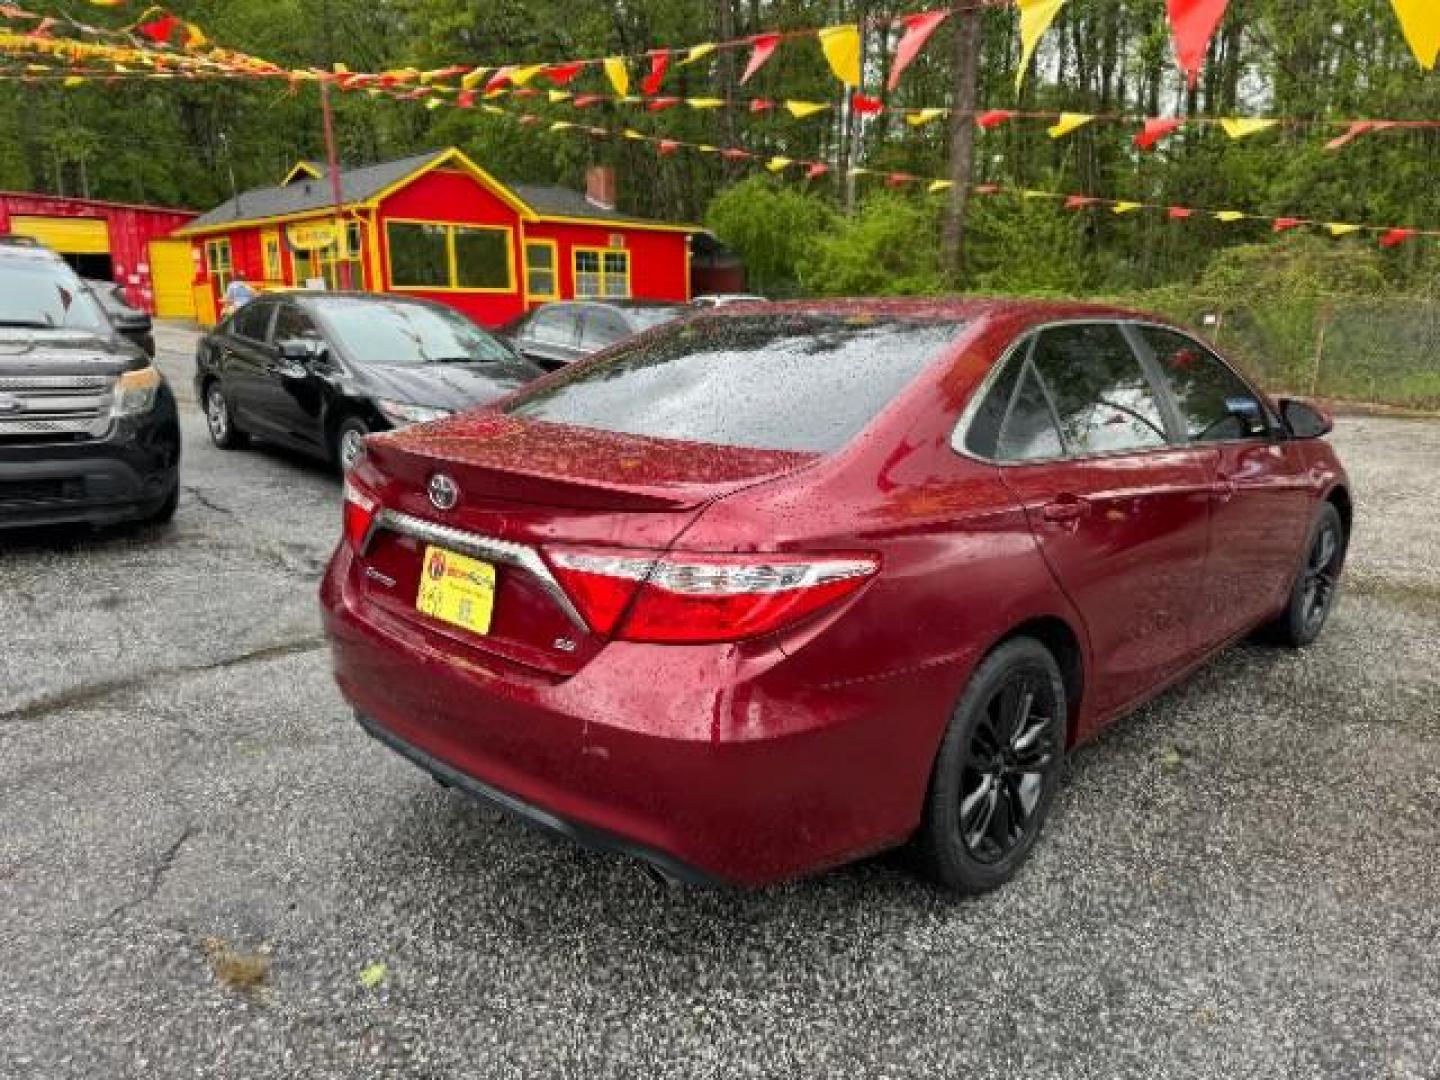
x=997, y=770
x=162, y=514
x=220, y=419
x=347, y=445
x=1317, y=584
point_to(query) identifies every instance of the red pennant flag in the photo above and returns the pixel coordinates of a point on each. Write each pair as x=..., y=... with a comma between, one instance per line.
x=561, y=74
x=668, y=147
x=1193, y=24
x=762, y=47
x=659, y=63
x=1285, y=224
x=525, y=91
x=465, y=99
x=1156, y=128
x=1355, y=130
x=918, y=28
x=987, y=189
x=157, y=30
x=1079, y=202
x=735, y=154
x=866, y=106
x=1180, y=213
x=660, y=104
x=1396, y=237
x=816, y=170
x=529, y=119
x=760, y=105
x=500, y=79
x=898, y=179
x=584, y=101
x=994, y=118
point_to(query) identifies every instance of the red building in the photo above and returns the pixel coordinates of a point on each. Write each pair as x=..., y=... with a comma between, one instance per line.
x=438, y=226
x=117, y=242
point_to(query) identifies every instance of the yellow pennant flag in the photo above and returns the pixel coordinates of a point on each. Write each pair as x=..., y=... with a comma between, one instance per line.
x=1125, y=207
x=1229, y=216
x=1340, y=228
x=705, y=102
x=777, y=164
x=1068, y=122
x=924, y=116
x=434, y=103
x=522, y=75
x=557, y=96
x=75, y=80
x=841, y=45
x=1031, y=193
x=471, y=79
x=1035, y=18
x=1420, y=20
x=1239, y=129
x=631, y=133
x=618, y=74
x=802, y=109
x=698, y=52
x=939, y=185
x=706, y=148
x=561, y=125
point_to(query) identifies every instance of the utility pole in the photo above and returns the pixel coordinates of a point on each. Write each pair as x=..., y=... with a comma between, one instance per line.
x=962, y=140
x=332, y=156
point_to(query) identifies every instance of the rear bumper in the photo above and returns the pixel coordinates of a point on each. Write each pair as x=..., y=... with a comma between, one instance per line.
x=715, y=763
x=126, y=476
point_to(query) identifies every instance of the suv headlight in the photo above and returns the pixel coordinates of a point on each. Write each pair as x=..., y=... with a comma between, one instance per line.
x=137, y=391
x=401, y=413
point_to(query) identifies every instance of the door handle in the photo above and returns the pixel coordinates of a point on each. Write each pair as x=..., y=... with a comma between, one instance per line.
x=1065, y=509
x=1224, y=489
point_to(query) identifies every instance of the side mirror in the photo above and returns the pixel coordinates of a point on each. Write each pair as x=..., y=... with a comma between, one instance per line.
x=301, y=350
x=136, y=322
x=1304, y=420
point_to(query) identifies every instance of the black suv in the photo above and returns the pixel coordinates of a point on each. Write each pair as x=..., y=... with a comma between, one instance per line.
x=88, y=427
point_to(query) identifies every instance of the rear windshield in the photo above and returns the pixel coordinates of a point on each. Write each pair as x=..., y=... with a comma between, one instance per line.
x=774, y=382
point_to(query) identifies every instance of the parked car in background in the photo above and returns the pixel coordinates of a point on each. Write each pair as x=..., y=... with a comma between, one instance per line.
x=129, y=321
x=560, y=333
x=714, y=300
x=788, y=586
x=318, y=371
x=88, y=427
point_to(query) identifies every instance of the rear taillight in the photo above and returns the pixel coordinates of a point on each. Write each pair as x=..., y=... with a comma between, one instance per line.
x=704, y=598
x=360, y=509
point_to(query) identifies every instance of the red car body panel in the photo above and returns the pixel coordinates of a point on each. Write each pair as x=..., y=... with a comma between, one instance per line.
x=763, y=759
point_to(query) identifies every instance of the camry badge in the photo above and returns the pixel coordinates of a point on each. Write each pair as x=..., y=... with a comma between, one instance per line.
x=444, y=492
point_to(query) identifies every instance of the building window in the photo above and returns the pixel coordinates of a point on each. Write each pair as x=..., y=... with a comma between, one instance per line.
x=270, y=247
x=323, y=264
x=602, y=273
x=426, y=255
x=217, y=263
x=540, y=271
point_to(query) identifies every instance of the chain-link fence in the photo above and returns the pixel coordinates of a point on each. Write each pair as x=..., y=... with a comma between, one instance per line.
x=1381, y=351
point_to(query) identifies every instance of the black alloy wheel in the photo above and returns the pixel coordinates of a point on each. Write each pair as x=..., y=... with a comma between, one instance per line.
x=1317, y=585
x=998, y=769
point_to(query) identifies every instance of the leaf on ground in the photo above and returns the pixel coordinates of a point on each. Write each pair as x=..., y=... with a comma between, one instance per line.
x=1170, y=759
x=236, y=968
x=372, y=975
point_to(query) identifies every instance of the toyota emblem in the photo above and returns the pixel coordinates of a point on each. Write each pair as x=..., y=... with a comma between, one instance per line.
x=444, y=492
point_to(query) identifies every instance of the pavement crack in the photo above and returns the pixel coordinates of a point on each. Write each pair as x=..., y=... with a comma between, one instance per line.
x=205, y=501
x=157, y=874
x=106, y=688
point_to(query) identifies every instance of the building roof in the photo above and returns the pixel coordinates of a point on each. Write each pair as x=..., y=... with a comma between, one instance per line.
x=358, y=185
x=282, y=200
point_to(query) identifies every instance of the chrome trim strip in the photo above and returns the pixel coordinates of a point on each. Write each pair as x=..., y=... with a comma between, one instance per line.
x=481, y=547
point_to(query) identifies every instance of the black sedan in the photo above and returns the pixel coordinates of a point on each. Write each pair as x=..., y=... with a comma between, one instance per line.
x=320, y=371
x=560, y=333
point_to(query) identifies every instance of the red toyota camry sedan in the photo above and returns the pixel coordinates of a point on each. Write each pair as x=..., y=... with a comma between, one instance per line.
x=770, y=589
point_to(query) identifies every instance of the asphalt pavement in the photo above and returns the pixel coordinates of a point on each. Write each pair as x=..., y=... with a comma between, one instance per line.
x=206, y=869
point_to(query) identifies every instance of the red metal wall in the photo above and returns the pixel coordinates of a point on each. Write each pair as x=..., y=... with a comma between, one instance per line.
x=131, y=230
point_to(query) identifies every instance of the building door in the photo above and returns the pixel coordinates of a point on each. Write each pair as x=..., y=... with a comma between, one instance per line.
x=172, y=272
x=84, y=241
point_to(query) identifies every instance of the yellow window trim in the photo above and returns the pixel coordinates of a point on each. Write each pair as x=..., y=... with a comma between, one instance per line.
x=575, y=254
x=450, y=227
x=554, y=246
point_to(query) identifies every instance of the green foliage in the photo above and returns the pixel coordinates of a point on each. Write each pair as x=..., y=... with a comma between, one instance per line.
x=775, y=229
x=1023, y=246
x=888, y=247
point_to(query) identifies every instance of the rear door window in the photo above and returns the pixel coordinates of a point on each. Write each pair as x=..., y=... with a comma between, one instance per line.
x=799, y=382
x=253, y=321
x=1029, y=433
x=292, y=324
x=601, y=328
x=1214, y=403
x=554, y=326
x=1103, y=400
